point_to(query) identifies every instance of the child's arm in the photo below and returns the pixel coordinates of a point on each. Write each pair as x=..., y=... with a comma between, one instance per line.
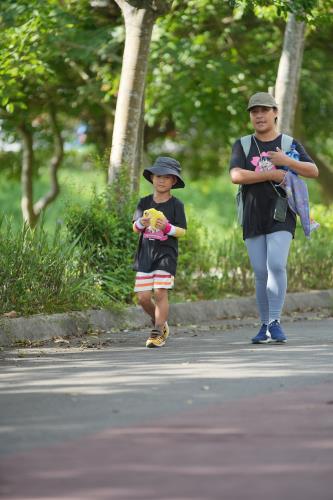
x=140, y=224
x=180, y=225
x=170, y=229
x=139, y=221
x=175, y=231
x=178, y=229
x=137, y=227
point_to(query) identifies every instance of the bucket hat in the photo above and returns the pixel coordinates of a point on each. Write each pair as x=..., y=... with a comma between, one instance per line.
x=262, y=99
x=164, y=165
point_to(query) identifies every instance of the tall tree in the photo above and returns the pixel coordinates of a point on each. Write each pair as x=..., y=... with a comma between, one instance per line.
x=139, y=17
x=50, y=76
x=26, y=79
x=289, y=71
x=31, y=211
x=286, y=94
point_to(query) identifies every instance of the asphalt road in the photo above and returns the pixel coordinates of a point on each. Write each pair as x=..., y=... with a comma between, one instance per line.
x=209, y=416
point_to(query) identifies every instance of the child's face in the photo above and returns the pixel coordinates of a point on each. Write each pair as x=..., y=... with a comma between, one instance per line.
x=163, y=183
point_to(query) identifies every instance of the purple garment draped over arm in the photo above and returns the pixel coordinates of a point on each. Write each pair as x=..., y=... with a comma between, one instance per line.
x=298, y=200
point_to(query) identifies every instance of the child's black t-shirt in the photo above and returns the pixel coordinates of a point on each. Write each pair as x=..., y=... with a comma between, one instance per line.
x=260, y=198
x=156, y=254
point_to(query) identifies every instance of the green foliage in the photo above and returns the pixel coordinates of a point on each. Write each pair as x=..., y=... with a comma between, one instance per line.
x=228, y=272
x=25, y=52
x=47, y=61
x=39, y=274
x=78, y=177
x=106, y=236
x=10, y=165
x=196, y=255
x=221, y=268
x=310, y=261
x=213, y=52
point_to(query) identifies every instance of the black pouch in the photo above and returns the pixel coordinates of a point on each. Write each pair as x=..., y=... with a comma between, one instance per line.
x=280, y=211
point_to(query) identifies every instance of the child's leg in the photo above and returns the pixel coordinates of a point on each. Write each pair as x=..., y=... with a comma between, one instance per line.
x=161, y=307
x=145, y=301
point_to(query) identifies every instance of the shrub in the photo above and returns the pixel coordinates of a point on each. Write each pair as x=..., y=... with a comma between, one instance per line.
x=310, y=262
x=208, y=271
x=103, y=230
x=40, y=274
x=197, y=256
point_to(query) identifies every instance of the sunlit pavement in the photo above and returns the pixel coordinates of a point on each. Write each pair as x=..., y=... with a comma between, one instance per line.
x=208, y=417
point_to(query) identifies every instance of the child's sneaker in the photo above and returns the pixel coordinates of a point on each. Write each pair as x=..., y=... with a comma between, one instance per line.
x=165, y=331
x=276, y=332
x=156, y=338
x=262, y=337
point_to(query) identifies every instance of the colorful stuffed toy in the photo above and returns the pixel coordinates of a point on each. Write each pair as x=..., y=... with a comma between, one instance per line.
x=153, y=214
x=152, y=232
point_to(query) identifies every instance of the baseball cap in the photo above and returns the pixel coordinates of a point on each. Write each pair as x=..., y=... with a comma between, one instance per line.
x=262, y=99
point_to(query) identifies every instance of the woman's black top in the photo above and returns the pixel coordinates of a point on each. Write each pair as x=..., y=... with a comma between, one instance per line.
x=260, y=198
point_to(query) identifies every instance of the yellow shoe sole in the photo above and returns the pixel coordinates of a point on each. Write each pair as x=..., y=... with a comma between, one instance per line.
x=155, y=342
x=156, y=339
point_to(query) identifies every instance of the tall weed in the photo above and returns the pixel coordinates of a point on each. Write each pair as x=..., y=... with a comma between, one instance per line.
x=223, y=269
x=104, y=229
x=42, y=274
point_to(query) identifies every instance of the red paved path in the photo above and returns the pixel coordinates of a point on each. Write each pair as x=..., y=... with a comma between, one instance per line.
x=275, y=447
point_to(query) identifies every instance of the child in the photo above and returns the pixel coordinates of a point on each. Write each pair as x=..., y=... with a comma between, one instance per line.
x=156, y=258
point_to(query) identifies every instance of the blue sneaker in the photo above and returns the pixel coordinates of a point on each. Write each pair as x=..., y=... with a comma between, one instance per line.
x=262, y=337
x=276, y=332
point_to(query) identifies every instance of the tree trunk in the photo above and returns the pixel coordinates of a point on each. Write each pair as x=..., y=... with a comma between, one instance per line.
x=26, y=175
x=58, y=154
x=287, y=81
x=30, y=211
x=139, y=21
x=286, y=92
x=138, y=157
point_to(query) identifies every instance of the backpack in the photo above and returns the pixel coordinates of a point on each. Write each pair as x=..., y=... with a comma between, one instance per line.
x=286, y=142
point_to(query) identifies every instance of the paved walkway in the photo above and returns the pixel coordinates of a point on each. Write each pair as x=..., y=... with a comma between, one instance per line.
x=208, y=417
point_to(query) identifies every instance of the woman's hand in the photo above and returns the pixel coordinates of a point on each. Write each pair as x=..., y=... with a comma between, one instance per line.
x=277, y=175
x=279, y=158
x=304, y=168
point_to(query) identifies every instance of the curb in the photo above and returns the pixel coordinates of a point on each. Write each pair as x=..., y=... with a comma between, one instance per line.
x=45, y=327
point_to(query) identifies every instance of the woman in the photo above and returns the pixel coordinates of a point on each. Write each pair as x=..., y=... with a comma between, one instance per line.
x=268, y=223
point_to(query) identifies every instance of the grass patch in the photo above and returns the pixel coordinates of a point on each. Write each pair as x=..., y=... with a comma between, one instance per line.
x=76, y=184
x=39, y=274
x=89, y=263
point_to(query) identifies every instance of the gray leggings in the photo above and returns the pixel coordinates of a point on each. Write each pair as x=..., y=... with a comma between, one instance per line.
x=268, y=256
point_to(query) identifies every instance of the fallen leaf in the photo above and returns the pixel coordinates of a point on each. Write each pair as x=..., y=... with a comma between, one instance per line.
x=11, y=314
x=60, y=340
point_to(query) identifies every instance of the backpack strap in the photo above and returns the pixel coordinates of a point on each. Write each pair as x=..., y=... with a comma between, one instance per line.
x=286, y=142
x=246, y=144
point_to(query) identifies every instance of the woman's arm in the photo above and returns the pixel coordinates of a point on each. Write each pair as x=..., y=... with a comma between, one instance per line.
x=304, y=168
x=243, y=176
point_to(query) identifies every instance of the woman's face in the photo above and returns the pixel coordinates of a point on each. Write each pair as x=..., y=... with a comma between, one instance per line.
x=263, y=118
